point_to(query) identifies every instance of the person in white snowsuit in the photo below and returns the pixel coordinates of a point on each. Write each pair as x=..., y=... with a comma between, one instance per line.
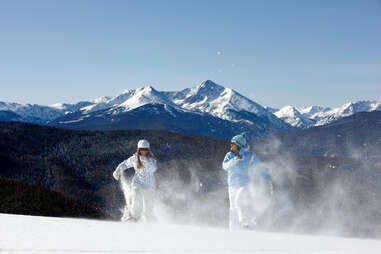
x=143, y=184
x=237, y=163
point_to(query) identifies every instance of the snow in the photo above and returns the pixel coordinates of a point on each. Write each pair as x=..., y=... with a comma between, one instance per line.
x=129, y=100
x=218, y=101
x=45, y=113
x=32, y=111
x=102, y=99
x=75, y=120
x=207, y=97
x=30, y=234
x=143, y=96
x=317, y=116
x=347, y=109
x=294, y=117
x=60, y=106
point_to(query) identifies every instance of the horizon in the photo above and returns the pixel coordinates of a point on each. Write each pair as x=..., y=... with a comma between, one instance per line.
x=275, y=53
x=149, y=85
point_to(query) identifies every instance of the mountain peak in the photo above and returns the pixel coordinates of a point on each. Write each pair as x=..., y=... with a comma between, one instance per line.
x=131, y=92
x=148, y=88
x=287, y=110
x=102, y=99
x=208, y=84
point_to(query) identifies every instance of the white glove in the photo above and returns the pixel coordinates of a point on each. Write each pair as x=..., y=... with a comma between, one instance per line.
x=116, y=175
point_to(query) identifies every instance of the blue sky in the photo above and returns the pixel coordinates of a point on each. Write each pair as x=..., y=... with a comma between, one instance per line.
x=276, y=52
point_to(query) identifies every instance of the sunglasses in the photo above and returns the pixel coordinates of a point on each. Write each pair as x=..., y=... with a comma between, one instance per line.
x=143, y=149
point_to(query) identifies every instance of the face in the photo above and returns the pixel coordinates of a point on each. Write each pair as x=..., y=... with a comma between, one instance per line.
x=143, y=151
x=234, y=147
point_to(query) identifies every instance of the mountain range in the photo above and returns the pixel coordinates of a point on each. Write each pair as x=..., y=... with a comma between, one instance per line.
x=207, y=109
x=317, y=116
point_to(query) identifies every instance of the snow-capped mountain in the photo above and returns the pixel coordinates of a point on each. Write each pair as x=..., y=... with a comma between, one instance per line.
x=32, y=113
x=160, y=117
x=38, y=113
x=317, y=116
x=221, y=102
x=130, y=99
x=223, y=110
x=206, y=98
x=348, y=109
x=311, y=111
x=294, y=117
x=67, y=108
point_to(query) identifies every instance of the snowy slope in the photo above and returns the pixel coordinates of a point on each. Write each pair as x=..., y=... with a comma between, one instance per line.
x=41, y=114
x=215, y=100
x=27, y=234
x=66, y=108
x=208, y=100
x=323, y=118
x=207, y=97
x=129, y=100
x=317, y=116
x=294, y=117
x=311, y=111
x=32, y=113
x=221, y=102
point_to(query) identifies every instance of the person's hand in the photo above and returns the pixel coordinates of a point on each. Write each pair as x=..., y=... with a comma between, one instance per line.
x=116, y=175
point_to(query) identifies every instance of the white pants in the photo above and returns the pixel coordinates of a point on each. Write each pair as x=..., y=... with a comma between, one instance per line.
x=140, y=203
x=238, y=198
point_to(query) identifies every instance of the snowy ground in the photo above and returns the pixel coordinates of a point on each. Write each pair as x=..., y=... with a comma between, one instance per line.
x=29, y=234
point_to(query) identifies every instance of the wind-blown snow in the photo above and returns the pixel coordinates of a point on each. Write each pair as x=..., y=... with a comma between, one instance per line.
x=29, y=234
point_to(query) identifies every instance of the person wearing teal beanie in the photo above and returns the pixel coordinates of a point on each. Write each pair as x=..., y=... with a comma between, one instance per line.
x=237, y=163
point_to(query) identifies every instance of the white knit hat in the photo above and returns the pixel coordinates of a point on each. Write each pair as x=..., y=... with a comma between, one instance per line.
x=143, y=144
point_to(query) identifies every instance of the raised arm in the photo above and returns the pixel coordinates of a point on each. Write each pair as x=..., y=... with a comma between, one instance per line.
x=121, y=167
x=229, y=160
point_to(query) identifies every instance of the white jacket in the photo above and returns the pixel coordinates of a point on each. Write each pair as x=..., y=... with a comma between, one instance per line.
x=144, y=176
